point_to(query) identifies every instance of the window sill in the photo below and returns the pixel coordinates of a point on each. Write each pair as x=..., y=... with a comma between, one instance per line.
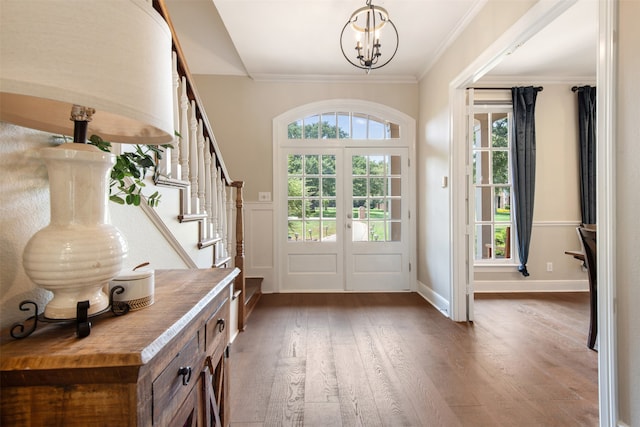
x=495, y=268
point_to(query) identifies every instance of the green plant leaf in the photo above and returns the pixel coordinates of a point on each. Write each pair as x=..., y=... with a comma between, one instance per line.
x=117, y=200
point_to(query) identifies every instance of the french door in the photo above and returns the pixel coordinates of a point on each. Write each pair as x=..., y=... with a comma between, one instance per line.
x=347, y=219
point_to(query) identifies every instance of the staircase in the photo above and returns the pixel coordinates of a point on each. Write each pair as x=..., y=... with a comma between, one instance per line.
x=201, y=212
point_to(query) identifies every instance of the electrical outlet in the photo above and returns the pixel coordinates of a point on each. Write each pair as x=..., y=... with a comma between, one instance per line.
x=549, y=266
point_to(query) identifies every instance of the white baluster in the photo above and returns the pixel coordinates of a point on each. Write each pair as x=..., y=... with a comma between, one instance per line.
x=201, y=169
x=224, y=221
x=207, y=188
x=174, y=170
x=220, y=206
x=230, y=223
x=213, y=215
x=221, y=219
x=184, y=131
x=184, y=145
x=193, y=158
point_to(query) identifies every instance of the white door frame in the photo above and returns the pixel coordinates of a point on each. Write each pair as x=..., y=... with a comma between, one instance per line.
x=535, y=19
x=407, y=127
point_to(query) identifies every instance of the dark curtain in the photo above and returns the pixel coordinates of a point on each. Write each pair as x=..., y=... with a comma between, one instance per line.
x=587, y=130
x=523, y=158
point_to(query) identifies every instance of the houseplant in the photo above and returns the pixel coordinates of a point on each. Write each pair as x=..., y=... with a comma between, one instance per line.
x=127, y=174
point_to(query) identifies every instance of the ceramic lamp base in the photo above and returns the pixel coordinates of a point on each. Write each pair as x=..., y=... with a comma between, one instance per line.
x=79, y=252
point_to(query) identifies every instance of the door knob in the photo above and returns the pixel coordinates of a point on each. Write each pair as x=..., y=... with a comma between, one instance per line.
x=349, y=216
x=348, y=225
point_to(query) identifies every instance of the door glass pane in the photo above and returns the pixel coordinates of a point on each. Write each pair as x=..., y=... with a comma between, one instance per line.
x=359, y=187
x=377, y=165
x=311, y=166
x=294, y=164
x=395, y=187
x=376, y=186
x=295, y=187
x=312, y=231
x=311, y=187
x=328, y=187
x=376, y=198
x=311, y=198
x=294, y=230
x=328, y=165
x=358, y=165
x=395, y=165
x=328, y=231
x=395, y=209
x=394, y=234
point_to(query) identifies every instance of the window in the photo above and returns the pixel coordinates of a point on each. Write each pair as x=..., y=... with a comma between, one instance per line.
x=494, y=229
x=342, y=125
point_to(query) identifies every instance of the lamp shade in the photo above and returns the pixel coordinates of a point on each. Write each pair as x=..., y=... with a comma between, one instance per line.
x=113, y=56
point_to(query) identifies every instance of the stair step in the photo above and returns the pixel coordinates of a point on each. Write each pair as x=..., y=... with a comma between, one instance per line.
x=208, y=242
x=253, y=288
x=221, y=262
x=192, y=217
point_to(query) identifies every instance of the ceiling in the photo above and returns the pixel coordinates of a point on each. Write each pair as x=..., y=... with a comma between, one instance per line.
x=299, y=39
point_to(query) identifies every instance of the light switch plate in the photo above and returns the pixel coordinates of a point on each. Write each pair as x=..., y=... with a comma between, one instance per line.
x=264, y=196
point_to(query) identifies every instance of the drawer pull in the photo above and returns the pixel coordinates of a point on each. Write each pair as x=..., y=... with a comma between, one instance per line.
x=186, y=374
x=221, y=325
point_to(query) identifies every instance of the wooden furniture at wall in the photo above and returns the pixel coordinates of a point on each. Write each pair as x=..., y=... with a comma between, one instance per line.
x=164, y=365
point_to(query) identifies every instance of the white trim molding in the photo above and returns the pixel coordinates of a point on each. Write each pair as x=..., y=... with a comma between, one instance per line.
x=433, y=298
x=516, y=286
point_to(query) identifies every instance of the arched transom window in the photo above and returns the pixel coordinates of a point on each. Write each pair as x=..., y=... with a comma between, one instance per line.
x=342, y=125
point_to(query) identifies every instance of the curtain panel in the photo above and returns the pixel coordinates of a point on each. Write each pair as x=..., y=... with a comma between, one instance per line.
x=587, y=137
x=523, y=158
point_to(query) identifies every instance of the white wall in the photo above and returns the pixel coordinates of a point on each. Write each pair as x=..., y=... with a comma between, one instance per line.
x=24, y=197
x=241, y=112
x=434, y=133
x=627, y=231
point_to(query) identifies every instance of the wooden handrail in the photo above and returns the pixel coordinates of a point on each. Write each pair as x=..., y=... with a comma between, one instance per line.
x=192, y=94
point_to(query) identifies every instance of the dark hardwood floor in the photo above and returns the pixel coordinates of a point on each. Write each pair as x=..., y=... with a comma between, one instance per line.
x=393, y=360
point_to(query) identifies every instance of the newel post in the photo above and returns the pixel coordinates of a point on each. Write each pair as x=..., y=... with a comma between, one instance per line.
x=239, y=259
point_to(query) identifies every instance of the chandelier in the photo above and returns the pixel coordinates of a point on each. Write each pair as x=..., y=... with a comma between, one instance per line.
x=370, y=24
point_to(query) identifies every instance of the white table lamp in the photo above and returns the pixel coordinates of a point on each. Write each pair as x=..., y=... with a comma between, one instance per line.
x=109, y=62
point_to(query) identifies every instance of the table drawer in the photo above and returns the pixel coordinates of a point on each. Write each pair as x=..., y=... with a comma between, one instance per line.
x=217, y=330
x=173, y=385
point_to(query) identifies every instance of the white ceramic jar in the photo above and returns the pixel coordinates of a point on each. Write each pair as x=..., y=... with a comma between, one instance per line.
x=138, y=288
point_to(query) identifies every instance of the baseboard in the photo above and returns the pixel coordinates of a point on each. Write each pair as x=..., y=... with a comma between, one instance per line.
x=488, y=286
x=433, y=298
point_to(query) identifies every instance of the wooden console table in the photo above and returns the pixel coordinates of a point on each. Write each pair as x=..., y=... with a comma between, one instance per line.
x=166, y=364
